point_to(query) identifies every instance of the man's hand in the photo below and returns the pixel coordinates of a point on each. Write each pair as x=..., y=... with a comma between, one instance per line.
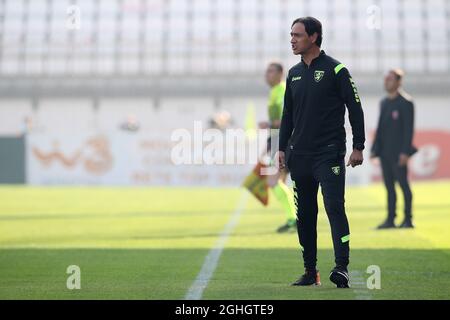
x=276, y=124
x=403, y=159
x=281, y=159
x=264, y=125
x=374, y=159
x=356, y=158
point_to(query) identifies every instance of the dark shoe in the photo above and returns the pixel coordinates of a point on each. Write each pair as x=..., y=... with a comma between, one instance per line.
x=290, y=225
x=388, y=224
x=406, y=224
x=339, y=276
x=310, y=278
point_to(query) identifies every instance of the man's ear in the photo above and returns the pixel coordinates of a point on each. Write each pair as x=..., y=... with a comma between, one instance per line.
x=314, y=37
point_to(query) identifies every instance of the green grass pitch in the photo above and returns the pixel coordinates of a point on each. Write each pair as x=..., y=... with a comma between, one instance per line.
x=150, y=243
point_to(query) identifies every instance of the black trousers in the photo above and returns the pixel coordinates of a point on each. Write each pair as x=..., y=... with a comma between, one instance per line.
x=307, y=173
x=392, y=173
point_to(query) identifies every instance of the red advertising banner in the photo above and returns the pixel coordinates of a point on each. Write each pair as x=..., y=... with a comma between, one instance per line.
x=432, y=161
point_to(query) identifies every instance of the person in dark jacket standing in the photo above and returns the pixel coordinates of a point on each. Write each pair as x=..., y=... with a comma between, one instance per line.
x=312, y=145
x=393, y=145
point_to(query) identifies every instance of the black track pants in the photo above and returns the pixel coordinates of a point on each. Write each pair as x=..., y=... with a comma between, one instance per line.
x=328, y=171
x=392, y=172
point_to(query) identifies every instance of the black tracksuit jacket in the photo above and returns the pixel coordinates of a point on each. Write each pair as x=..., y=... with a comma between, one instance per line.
x=314, y=108
x=395, y=128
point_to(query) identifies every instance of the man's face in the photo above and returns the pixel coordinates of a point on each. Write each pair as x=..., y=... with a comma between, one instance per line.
x=301, y=42
x=391, y=83
x=273, y=75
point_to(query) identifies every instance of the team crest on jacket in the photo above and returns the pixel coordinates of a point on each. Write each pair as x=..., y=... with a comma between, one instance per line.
x=318, y=75
x=395, y=114
x=336, y=170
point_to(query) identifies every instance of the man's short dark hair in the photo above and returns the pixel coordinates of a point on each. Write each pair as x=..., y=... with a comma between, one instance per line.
x=399, y=73
x=312, y=25
x=277, y=65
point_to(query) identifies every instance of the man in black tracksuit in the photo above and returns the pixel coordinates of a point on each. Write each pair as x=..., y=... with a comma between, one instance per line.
x=313, y=145
x=393, y=145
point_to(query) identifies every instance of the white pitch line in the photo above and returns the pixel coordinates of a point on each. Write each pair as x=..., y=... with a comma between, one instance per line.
x=195, y=292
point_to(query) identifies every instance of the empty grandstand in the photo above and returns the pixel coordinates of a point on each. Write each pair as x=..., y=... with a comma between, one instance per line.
x=89, y=66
